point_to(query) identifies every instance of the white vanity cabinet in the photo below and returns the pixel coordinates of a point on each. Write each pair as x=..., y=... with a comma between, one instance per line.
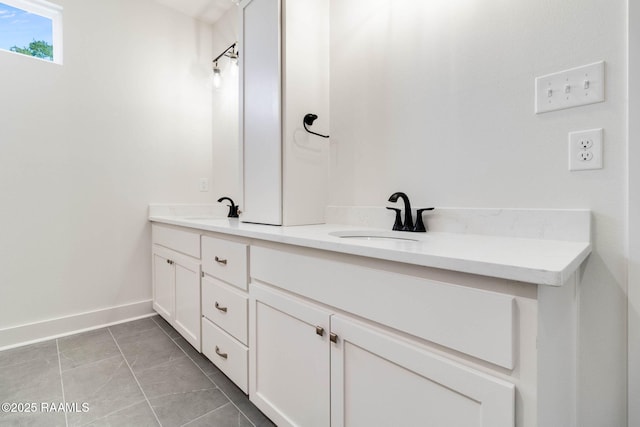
x=225, y=307
x=330, y=347
x=176, y=280
x=285, y=169
x=459, y=330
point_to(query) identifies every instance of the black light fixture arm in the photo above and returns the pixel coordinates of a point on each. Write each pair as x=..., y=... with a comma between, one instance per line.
x=233, y=46
x=308, y=120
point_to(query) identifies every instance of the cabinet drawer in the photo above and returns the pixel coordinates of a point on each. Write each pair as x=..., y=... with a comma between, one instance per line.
x=178, y=240
x=225, y=260
x=476, y=322
x=226, y=307
x=227, y=354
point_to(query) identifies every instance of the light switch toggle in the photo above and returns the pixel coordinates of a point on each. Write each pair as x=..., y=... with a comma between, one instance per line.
x=570, y=88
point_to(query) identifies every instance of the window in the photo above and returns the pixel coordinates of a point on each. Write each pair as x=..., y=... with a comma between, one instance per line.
x=32, y=28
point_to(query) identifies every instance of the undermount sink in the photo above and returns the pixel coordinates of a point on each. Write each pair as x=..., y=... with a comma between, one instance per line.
x=200, y=218
x=374, y=235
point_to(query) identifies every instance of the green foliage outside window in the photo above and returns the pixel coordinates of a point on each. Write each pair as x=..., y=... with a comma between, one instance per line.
x=37, y=48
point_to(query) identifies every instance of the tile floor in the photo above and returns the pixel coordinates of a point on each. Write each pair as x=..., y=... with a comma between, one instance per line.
x=136, y=374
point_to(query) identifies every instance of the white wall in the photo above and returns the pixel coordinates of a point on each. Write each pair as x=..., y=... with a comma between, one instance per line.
x=226, y=147
x=436, y=99
x=86, y=146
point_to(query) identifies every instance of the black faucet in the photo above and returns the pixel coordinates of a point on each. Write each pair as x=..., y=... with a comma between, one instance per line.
x=398, y=225
x=408, y=218
x=233, y=208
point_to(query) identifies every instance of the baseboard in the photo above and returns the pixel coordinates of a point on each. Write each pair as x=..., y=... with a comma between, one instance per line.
x=67, y=325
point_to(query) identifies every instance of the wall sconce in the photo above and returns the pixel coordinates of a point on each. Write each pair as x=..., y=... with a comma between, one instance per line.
x=217, y=76
x=230, y=53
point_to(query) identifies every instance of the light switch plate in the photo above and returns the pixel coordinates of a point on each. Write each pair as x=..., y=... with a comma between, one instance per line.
x=570, y=88
x=585, y=150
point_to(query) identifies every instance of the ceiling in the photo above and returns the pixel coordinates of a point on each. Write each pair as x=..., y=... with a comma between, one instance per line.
x=206, y=10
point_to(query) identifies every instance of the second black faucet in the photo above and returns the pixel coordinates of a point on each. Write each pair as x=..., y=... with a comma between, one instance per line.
x=407, y=225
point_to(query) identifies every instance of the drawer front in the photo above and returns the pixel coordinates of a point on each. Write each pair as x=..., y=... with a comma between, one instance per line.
x=181, y=241
x=226, y=307
x=227, y=354
x=225, y=260
x=476, y=322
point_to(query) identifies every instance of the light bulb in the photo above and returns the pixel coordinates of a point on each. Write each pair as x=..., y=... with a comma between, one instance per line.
x=233, y=58
x=217, y=77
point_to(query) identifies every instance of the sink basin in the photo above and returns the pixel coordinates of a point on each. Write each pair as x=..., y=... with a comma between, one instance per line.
x=199, y=218
x=374, y=235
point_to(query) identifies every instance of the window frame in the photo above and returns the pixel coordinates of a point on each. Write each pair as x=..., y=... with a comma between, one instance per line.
x=48, y=10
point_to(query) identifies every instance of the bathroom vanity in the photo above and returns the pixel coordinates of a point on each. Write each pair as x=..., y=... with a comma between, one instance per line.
x=349, y=324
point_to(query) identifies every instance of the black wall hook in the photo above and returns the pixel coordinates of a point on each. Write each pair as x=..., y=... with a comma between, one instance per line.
x=308, y=120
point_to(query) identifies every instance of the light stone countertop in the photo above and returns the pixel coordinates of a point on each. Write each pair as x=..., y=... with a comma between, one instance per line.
x=532, y=260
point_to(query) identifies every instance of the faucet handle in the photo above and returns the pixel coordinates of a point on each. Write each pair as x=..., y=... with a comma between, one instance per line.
x=420, y=228
x=397, y=225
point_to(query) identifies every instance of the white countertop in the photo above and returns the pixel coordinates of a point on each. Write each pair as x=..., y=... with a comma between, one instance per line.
x=540, y=261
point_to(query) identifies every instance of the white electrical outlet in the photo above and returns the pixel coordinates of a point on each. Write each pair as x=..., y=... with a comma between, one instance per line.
x=204, y=184
x=585, y=150
x=570, y=88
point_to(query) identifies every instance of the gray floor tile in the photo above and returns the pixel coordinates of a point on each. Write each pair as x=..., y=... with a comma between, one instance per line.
x=225, y=384
x=31, y=374
x=226, y=416
x=198, y=358
x=95, y=372
x=88, y=347
x=33, y=352
x=37, y=384
x=133, y=328
x=240, y=399
x=253, y=414
x=177, y=376
x=40, y=419
x=138, y=415
x=149, y=349
x=175, y=410
x=107, y=386
x=166, y=327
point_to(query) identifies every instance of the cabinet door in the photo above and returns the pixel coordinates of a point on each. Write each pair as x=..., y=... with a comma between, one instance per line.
x=187, y=305
x=289, y=358
x=378, y=379
x=163, y=276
